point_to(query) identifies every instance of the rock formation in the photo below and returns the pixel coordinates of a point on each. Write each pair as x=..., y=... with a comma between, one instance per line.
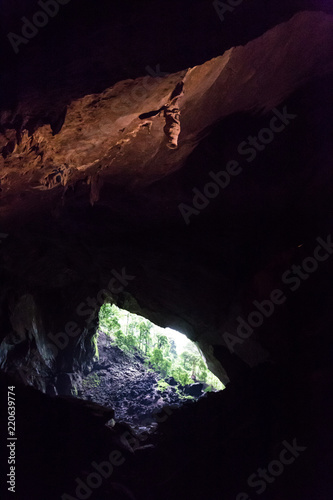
x=226, y=237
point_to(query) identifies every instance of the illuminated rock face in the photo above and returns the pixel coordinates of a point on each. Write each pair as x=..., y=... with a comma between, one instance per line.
x=100, y=138
x=203, y=237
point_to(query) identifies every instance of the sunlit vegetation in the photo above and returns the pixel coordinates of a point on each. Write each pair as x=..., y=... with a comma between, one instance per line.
x=160, y=350
x=92, y=380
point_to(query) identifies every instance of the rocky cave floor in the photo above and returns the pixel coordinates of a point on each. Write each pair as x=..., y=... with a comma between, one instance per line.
x=124, y=383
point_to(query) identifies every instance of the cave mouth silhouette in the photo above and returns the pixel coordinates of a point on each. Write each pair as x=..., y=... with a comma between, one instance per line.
x=139, y=368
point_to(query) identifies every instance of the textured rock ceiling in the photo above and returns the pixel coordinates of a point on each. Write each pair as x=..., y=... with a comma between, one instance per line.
x=100, y=138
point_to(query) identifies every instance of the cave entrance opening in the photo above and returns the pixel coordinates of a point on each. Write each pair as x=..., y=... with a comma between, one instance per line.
x=140, y=369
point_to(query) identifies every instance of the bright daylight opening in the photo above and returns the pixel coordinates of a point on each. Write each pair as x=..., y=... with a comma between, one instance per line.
x=140, y=368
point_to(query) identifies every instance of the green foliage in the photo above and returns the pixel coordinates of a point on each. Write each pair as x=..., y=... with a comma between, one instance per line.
x=181, y=376
x=95, y=345
x=202, y=371
x=145, y=340
x=156, y=358
x=130, y=342
x=183, y=396
x=163, y=344
x=91, y=381
x=109, y=319
x=214, y=381
x=185, y=357
x=192, y=362
x=208, y=389
x=173, y=349
x=74, y=391
x=134, y=334
x=120, y=338
x=162, y=385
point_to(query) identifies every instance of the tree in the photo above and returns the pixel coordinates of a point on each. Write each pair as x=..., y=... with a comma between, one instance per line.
x=173, y=348
x=194, y=361
x=145, y=336
x=156, y=358
x=181, y=376
x=130, y=341
x=166, y=367
x=132, y=332
x=190, y=361
x=163, y=344
x=120, y=339
x=109, y=319
x=202, y=371
x=160, y=363
x=186, y=359
x=132, y=327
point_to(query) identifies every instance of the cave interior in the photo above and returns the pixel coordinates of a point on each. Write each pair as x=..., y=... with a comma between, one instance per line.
x=173, y=158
